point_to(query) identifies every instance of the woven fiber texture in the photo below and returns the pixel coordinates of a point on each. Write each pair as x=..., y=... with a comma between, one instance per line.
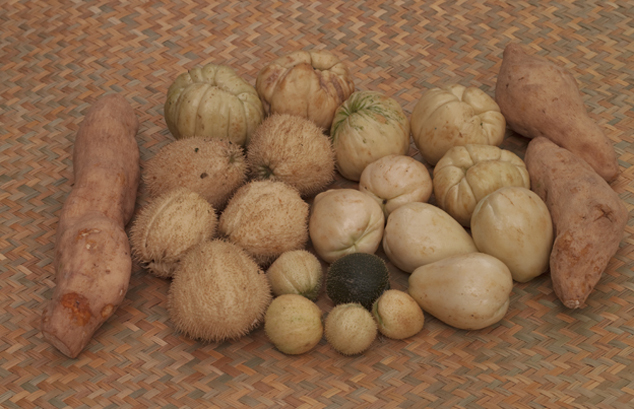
x=58, y=56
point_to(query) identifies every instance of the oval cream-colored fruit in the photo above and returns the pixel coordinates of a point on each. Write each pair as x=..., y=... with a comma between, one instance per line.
x=395, y=180
x=513, y=224
x=420, y=233
x=398, y=315
x=469, y=291
x=345, y=221
x=296, y=272
x=293, y=324
x=350, y=328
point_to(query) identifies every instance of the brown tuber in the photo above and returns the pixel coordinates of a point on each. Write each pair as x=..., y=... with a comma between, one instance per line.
x=92, y=252
x=540, y=98
x=588, y=216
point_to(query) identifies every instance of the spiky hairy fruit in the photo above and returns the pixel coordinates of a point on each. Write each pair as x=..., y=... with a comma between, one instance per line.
x=266, y=219
x=293, y=150
x=218, y=293
x=168, y=227
x=357, y=277
x=214, y=168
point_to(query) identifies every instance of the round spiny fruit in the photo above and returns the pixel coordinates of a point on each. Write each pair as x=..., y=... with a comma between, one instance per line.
x=213, y=168
x=266, y=219
x=357, y=278
x=168, y=227
x=218, y=293
x=292, y=150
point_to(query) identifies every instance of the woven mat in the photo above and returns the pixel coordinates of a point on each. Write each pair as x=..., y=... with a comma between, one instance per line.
x=57, y=57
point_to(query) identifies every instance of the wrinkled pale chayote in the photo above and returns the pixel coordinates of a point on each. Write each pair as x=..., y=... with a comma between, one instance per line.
x=213, y=101
x=466, y=174
x=453, y=116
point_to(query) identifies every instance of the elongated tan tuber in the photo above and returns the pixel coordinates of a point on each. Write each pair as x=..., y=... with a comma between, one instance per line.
x=92, y=251
x=540, y=98
x=588, y=216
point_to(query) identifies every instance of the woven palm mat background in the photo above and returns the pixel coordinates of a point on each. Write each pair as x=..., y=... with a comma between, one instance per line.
x=57, y=57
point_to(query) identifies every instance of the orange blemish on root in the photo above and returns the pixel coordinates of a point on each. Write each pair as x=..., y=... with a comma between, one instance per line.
x=79, y=307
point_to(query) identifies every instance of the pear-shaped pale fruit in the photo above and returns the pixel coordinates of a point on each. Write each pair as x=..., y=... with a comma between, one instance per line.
x=469, y=291
x=420, y=233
